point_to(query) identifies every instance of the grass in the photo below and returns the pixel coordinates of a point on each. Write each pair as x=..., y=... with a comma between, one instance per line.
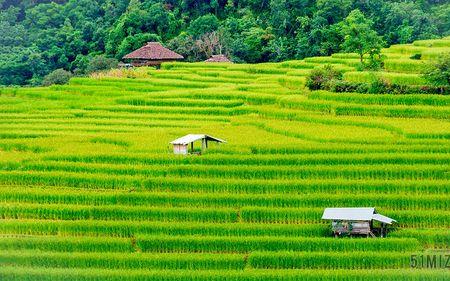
x=90, y=188
x=395, y=78
x=250, y=244
x=33, y=273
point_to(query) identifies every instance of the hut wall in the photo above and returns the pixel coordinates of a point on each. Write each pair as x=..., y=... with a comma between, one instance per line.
x=137, y=63
x=351, y=227
x=180, y=149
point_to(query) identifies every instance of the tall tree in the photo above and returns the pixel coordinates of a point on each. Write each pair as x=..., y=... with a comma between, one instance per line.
x=359, y=37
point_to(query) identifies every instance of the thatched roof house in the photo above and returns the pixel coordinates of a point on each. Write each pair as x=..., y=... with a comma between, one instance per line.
x=152, y=54
x=218, y=58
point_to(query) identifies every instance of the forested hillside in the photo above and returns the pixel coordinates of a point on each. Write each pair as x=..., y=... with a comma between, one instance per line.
x=39, y=36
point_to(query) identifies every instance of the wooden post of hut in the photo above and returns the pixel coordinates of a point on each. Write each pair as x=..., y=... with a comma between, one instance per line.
x=152, y=54
x=180, y=145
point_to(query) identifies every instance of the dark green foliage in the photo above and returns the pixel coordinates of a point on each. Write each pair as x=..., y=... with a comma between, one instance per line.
x=202, y=25
x=329, y=78
x=381, y=87
x=359, y=37
x=417, y=56
x=59, y=77
x=38, y=37
x=134, y=42
x=378, y=85
x=101, y=62
x=321, y=77
x=406, y=21
x=438, y=73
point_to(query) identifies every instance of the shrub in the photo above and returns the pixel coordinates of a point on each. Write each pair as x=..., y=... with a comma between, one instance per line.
x=378, y=85
x=330, y=79
x=321, y=77
x=341, y=86
x=438, y=73
x=417, y=56
x=59, y=77
x=100, y=63
x=375, y=62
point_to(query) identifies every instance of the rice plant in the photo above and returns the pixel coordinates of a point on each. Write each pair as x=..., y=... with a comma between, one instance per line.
x=90, y=188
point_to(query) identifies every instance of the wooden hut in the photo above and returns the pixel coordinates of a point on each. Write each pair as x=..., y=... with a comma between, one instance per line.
x=218, y=58
x=152, y=54
x=181, y=145
x=359, y=221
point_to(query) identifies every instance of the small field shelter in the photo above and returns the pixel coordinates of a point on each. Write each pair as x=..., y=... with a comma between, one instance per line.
x=152, y=54
x=360, y=221
x=181, y=145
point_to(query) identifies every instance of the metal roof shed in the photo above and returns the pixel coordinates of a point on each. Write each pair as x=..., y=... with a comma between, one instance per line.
x=355, y=220
x=180, y=145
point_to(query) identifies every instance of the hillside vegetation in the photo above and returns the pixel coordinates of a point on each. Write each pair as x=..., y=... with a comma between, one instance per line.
x=40, y=36
x=90, y=188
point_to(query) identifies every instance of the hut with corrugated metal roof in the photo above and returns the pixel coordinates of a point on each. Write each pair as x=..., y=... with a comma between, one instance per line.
x=218, y=58
x=152, y=54
x=359, y=221
x=181, y=145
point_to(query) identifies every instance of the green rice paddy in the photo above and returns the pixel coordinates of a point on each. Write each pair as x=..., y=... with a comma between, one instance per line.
x=90, y=188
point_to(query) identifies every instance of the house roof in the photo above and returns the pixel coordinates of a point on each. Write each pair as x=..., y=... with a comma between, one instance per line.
x=153, y=51
x=355, y=214
x=218, y=58
x=383, y=219
x=194, y=137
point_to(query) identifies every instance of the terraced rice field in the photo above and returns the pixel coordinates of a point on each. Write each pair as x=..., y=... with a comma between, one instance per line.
x=90, y=188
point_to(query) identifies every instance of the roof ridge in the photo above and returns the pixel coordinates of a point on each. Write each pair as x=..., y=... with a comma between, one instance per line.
x=153, y=51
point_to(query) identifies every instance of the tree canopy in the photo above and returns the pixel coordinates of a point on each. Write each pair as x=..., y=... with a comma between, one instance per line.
x=41, y=36
x=359, y=37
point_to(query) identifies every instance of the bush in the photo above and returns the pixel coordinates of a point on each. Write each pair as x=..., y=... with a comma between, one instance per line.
x=101, y=62
x=59, y=77
x=417, y=56
x=322, y=77
x=204, y=24
x=378, y=85
x=375, y=62
x=438, y=73
x=330, y=79
x=341, y=86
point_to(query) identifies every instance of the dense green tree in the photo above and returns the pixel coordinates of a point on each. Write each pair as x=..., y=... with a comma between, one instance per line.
x=101, y=62
x=140, y=19
x=441, y=14
x=134, y=42
x=184, y=44
x=359, y=37
x=405, y=22
x=39, y=36
x=11, y=34
x=333, y=11
x=203, y=24
x=438, y=72
x=317, y=38
x=280, y=17
x=59, y=77
x=281, y=48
